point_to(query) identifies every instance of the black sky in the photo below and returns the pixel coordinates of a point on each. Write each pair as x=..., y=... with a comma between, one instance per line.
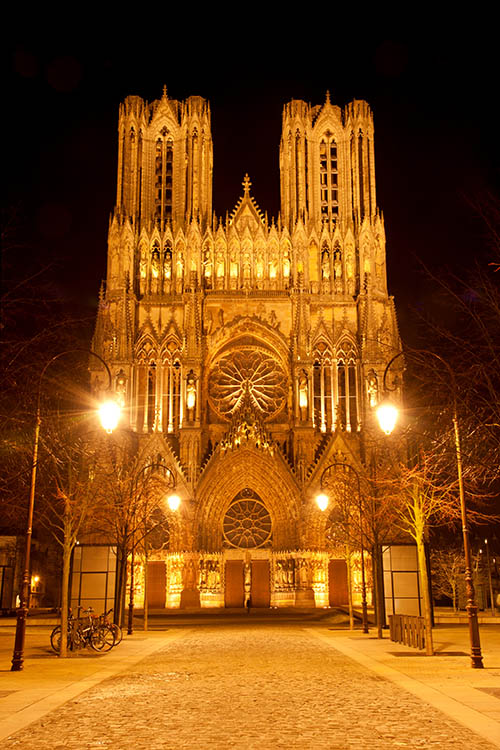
x=433, y=97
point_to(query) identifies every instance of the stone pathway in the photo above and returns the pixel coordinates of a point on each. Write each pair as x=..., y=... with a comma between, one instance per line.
x=246, y=687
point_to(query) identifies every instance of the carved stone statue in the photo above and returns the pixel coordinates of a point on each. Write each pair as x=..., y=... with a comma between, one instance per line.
x=155, y=271
x=303, y=391
x=272, y=267
x=337, y=264
x=349, y=268
x=325, y=265
x=372, y=388
x=207, y=265
x=190, y=391
x=121, y=387
x=233, y=269
x=143, y=271
x=167, y=265
x=286, y=265
x=259, y=265
x=219, y=266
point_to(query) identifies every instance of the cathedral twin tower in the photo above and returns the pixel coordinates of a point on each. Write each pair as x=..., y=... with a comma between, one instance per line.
x=246, y=352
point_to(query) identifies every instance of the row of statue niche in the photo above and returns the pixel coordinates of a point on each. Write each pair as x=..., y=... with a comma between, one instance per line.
x=161, y=271
x=326, y=269
x=209, y=575
x=175, y=575
x=292, y=573
x=161, y=267
x=246, y=261
x=318, y=572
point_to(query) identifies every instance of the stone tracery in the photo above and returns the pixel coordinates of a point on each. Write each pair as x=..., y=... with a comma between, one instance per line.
x=247, y=522
x=247, y=370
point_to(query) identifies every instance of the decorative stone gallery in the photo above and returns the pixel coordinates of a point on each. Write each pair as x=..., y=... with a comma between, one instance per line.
x=246, y=351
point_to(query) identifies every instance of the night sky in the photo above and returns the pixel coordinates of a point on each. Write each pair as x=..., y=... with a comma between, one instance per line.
x=433, y=97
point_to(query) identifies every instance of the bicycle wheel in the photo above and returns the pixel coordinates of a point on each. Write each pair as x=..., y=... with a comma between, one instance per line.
x=102, y=639
x=77, y=638
x=55, y=639
x=117, y=632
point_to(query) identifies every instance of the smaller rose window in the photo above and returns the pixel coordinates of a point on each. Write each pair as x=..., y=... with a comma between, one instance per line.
x=247, y=523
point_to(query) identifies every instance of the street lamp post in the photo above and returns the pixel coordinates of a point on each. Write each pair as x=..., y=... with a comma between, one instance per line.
x=322, y=501
x=22, y=611
x=471, y=607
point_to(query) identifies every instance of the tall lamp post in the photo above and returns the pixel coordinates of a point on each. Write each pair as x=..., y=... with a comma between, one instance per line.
x=109, y=414
x=387, y=415
x=322, y=501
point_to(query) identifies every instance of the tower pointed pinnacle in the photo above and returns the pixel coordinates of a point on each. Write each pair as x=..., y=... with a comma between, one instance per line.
x=165, y=92
x=327, y=99
x=246, y=184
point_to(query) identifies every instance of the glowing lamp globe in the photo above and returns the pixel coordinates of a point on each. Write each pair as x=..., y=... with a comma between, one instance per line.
x=109, y=414
x=173, y=502
x=387, y=415
x=322, y=501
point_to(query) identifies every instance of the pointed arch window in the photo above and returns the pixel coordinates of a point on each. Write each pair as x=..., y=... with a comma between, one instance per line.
x=336, y=388
x=323, y=388
x=151, y=395
x=164, y=155
x=348, y=388
x=157, y=388
x=171, y=393
x=361, y=175
x=329, y=177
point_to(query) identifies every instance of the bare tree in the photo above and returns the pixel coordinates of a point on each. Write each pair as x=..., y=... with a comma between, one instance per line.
x=133, y=486
x=448, y=570
x=424, y=497
x=465, y=327
x=70, y=497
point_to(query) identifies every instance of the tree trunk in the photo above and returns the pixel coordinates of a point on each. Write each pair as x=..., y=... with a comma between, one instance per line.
x=67, y=549
x=378, y=589
x=424, y=585
x=146, y=606
x=121, y=579
x=349, y=586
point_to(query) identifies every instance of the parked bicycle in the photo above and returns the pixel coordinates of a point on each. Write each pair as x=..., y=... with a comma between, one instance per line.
x=117, y=631
x=87, y=631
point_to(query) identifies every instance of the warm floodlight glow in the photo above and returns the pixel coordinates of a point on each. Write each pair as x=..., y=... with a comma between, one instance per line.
x=109, y=414
x=387, y=415
x=322, y=501
x=173, y=502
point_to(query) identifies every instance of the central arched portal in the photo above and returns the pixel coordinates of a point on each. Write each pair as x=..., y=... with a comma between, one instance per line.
x=247, y=526
x=247, y=540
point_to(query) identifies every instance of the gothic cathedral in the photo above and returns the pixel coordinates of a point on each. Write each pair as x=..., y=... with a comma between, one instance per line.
x=247, y=352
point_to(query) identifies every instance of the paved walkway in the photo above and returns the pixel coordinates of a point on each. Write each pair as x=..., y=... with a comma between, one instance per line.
x=240, y=683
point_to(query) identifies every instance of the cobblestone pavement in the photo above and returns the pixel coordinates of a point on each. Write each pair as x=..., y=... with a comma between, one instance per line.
x=254, y=686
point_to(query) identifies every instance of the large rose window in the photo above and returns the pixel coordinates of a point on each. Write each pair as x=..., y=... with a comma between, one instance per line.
x=248, y=371
x=247, y=523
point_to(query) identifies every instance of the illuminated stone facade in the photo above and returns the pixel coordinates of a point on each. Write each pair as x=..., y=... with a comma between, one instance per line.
x=246, y=351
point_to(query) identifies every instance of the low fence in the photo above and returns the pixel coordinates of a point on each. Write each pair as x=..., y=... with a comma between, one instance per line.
x=407, y=629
